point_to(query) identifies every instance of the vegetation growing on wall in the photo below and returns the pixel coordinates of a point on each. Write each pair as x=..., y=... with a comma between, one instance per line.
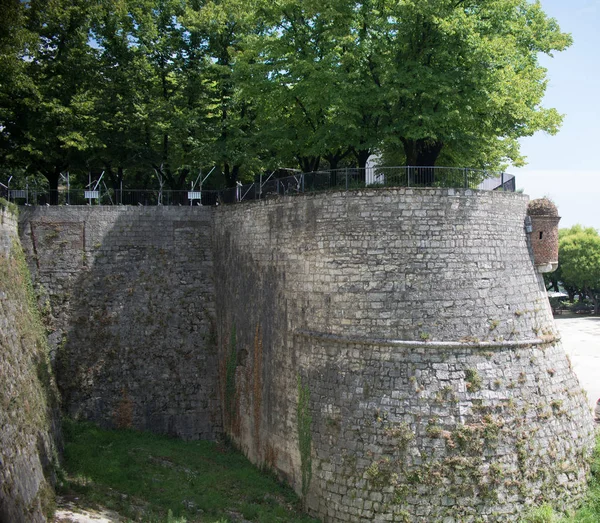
x=11, y=207
x=28, y=396
x=304, y=421
x=230, y=392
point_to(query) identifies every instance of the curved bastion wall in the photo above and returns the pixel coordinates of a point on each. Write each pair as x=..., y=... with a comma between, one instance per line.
x=392, y=354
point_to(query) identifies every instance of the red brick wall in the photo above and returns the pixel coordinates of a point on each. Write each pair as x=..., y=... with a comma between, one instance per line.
x=544, y=239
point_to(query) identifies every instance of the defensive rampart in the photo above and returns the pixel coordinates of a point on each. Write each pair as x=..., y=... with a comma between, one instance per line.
x=128, y=295
x=392, y=354
x=29, y=432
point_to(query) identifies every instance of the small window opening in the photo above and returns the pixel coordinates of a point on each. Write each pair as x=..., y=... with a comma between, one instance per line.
x=541, y=234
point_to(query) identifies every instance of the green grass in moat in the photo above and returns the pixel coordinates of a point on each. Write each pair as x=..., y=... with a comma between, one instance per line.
x=150, y=478
x=156, y=479
x=589, y=511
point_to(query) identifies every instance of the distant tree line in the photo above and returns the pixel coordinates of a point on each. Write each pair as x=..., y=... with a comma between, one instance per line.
x=578, y=270
x=155, y=90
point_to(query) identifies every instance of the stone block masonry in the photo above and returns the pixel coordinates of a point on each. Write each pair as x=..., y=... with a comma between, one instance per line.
x=410, y=331
x=129, y=299
x=390, y=353
x=29, y=431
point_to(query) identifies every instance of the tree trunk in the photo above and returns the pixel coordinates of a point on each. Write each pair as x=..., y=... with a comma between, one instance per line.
x=594, y=298
x=362, y=155
x=115, y=179
x=309, y=163
x=53, y=177
x=181, y=184
x=231, y=173
x=334, y=158
x=422, y=152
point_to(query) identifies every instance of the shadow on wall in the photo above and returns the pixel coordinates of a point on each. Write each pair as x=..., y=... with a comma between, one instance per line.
x=130, y=293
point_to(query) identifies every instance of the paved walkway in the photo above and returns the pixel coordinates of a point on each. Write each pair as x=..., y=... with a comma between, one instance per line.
x=581, y=340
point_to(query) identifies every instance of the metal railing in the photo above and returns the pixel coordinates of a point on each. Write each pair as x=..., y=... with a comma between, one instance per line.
x=338, y=179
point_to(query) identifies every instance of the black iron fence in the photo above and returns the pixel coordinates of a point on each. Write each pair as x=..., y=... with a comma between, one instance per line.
x=269, y=186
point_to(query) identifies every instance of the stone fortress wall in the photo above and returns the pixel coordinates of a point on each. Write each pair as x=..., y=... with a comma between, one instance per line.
x=389, y=353
x=410, y=332
x=29, y=432
x=127, y=293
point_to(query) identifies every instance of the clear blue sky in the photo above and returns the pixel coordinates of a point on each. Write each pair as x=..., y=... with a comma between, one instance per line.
x=565, y=166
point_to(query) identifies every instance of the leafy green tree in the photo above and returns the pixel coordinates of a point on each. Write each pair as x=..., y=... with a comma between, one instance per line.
x=170, y=87
x=579, y=258
x=458, y=80
x=303, y=81
x=464, y=76
x=56, y=125
x=15, y=86
x=224, y=26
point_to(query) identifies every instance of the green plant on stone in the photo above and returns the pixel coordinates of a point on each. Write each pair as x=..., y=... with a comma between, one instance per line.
x=304, y=421
x=402, y=434
x=473, y=379
x=433, y=430
x=372, y=472
x=9, y=206
x=230, y=368
x=542, y=514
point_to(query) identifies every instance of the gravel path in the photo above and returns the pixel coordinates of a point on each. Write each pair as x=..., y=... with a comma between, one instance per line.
x=69, y=511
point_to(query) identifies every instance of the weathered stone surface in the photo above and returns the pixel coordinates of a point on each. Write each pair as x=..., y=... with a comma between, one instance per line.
x=389, y=353
x=128, y=294
x=415, y=323
x=29, y=429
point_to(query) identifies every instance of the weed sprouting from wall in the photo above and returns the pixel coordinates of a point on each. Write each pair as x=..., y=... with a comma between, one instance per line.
x=29, y=398
x=9, y=206
x=473, y=380
x=230, y=368
x=257, y=383
x=304, y=436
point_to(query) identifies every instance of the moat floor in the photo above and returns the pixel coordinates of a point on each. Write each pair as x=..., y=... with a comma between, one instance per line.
x=68, y=511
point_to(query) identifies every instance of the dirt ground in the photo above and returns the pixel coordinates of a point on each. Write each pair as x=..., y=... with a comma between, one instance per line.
x=581, y=341
x=69, y=511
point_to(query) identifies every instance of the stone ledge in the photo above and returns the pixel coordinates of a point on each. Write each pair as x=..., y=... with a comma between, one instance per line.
x=338, y=338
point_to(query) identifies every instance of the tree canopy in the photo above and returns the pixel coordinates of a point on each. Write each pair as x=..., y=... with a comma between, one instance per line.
x=579, y=262
x=153, y=91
